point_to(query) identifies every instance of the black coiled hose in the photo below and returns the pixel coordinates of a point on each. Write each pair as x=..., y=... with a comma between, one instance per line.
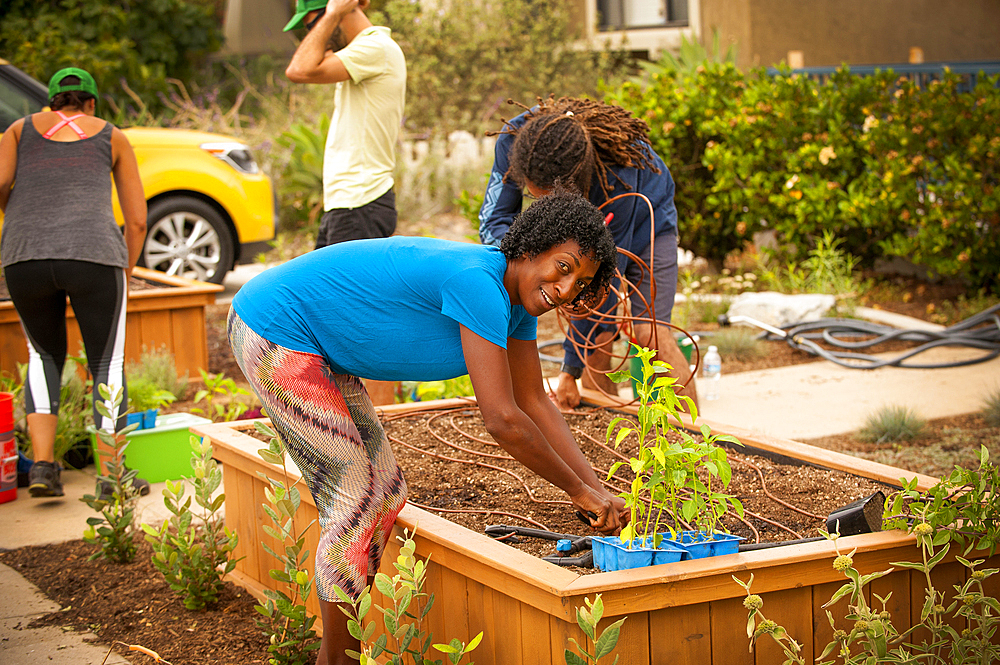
x=845, y=334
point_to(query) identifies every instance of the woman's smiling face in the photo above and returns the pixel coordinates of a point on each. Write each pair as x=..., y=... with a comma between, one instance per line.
x=553, y=278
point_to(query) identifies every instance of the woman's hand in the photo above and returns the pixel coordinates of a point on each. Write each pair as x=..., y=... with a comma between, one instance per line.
x=600, y=503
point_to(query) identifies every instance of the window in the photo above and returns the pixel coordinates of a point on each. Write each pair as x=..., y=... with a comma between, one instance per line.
x=631, y=14
x=14, y=102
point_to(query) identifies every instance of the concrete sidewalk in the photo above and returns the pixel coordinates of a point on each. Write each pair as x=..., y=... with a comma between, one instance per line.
x=796, y=402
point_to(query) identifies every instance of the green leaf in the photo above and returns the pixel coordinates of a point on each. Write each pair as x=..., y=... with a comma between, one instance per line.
x=609, y=638
x=573, y=659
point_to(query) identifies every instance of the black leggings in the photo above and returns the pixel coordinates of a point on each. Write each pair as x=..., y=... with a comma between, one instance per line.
x=98, y=294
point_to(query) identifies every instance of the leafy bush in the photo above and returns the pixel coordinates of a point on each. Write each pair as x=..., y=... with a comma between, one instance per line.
x=114, y=530
x=193, y=551
x=465, y=59
x=126, y=46
x=891, y=169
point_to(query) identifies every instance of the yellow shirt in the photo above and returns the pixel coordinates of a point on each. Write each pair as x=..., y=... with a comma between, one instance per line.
x=361, y=144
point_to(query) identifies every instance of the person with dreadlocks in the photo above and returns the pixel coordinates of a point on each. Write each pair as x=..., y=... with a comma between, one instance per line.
x=403, y=308
x=603, y=151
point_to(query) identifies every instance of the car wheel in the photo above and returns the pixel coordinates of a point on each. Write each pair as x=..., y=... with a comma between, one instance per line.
x=187, y=237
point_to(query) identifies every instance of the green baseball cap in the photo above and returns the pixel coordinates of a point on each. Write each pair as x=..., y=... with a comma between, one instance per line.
x=303, y=7
x=86, y=83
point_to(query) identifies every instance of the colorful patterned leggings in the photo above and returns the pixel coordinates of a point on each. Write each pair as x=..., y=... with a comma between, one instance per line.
x=331, y=431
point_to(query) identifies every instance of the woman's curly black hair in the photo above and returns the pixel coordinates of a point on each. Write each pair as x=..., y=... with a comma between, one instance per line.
x=559, y=217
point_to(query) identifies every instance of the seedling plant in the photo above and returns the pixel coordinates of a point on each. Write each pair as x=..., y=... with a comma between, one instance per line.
x=667, y=482
x=114, y=530
x=599, y=645
x=403, y=619
x=223, y=398
x=194, y=550
x=960, y=510
x=289, y=629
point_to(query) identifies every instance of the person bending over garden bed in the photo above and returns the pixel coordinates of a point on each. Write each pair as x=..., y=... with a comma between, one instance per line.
x=306, y=332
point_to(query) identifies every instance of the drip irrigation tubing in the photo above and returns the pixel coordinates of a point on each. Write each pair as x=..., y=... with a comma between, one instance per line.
x=436, y=416
x=980, y=331
x=623, y=323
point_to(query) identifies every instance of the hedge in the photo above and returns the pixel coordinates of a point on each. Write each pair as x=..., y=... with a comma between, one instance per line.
x=892, y=168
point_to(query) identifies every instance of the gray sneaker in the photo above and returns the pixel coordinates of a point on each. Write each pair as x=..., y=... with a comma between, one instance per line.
x=44, y=479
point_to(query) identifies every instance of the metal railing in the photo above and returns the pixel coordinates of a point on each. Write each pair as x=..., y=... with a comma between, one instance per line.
x=922, y=74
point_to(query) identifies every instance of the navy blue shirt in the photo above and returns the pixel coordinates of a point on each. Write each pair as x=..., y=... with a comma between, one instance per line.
x=630, y=225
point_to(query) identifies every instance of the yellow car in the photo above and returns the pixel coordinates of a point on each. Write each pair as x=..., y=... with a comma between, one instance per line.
x=210, y=206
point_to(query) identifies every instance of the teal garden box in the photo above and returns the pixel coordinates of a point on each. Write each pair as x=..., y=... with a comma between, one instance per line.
x=162, y=452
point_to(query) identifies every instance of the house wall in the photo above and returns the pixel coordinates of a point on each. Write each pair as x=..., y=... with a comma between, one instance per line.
x=860, y=32
x=255, y=26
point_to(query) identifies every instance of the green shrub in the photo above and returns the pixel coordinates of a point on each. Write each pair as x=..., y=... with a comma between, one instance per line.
x=158, y=368
x=465, y=59
x=887, y=167
x=121, y=43
x=892, y=423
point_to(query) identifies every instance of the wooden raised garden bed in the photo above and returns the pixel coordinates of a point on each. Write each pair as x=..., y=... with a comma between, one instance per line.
x=172, y=314
x=686, y=612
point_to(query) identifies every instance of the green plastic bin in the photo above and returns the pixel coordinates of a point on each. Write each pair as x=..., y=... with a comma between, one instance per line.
x=162, y=452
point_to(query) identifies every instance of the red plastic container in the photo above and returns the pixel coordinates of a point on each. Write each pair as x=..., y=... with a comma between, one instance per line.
x=8, y=450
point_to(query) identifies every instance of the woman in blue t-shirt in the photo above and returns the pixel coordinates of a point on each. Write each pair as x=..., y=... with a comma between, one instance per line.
x=305, y=333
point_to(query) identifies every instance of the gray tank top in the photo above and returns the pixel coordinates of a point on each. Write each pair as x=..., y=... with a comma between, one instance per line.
x=60, y=206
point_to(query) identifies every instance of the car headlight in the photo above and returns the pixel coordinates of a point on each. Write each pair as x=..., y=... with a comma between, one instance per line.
x=236, y=155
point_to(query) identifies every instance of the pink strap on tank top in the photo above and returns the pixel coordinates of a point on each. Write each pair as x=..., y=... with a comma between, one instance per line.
x=64, y=123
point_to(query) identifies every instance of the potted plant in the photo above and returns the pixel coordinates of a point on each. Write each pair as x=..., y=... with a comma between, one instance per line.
x=145, y=399
x=668, y=489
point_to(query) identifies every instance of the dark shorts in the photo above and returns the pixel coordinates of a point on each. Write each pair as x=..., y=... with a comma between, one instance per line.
x=372, y=220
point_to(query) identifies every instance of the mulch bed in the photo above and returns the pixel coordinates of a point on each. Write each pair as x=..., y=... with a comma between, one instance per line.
x=133, y=604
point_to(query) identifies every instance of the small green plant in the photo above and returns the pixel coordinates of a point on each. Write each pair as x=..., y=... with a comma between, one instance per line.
x=892, y=423
x=157, y=367
x=286, y=624
x=404, y=619
x=421, y=391
x=194, y=551
x=468, y=206
x=960, y=510
x=114, y=530
x=223, y=398
x=600, y=645
x=666, y=470
x=738, y=343
x=991, y=408
x=301, y=184
x=143, y=394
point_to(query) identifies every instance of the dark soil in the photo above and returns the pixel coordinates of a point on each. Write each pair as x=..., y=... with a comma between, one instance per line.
x=465, y=490
x=132, y=603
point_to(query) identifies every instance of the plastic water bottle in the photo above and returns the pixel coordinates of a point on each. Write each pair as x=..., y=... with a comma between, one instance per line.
x=712, y=373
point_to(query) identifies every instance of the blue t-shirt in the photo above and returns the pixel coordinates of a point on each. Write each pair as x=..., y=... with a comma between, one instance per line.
x=387, y=309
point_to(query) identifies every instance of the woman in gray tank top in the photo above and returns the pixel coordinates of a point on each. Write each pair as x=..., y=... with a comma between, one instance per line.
x=60, y=239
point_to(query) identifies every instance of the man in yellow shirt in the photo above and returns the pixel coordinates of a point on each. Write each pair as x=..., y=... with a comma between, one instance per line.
x=344, y=48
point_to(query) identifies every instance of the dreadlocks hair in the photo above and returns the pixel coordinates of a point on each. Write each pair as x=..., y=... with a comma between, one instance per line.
x=568, y=140
x=559, y=217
